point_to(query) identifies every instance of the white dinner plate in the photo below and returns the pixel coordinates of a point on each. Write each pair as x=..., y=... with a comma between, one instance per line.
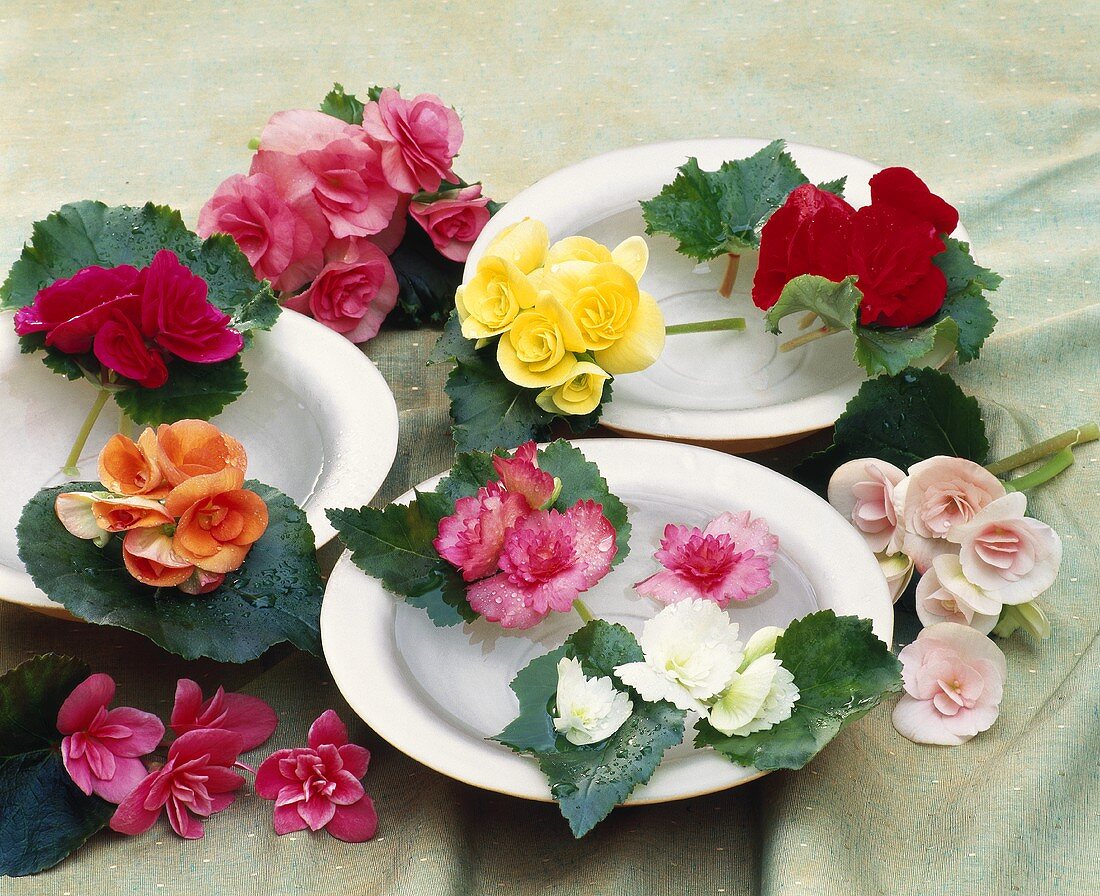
x=437, y=693
x=732, y=390
x=317, y=420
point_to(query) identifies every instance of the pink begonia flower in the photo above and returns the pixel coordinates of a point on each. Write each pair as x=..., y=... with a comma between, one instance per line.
x=295, y=131
x=195, y=782
x=454, y=220
x=862, y=491
x=472, y=538
x=319, y=786
x=954, y=679
x=353, y=293
x=121, y=346
x=728, y=560
x=945, y=595
x=246, y=716
x=419, y=139
x=284, y=243
x=549, y=558
x=391, y=236
x=1012, y=557
x=101, y=749
x=939, y=493
x=520, y=473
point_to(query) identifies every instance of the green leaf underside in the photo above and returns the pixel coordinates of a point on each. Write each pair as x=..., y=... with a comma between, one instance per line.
x=589, y=781
x=44, y=817
x=192, y=391
x=274, y=597
x=835, y=303
x=345, y=106
x=426, y=279
x=902, y=419
x=713, y=212
x=842, y=671
x=966, y=302
x=890, y=351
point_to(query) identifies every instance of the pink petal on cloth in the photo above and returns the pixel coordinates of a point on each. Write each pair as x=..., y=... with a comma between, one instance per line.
x=143, y=732
x=355, y=759
x=287, y=820
x=317, y=811
x=269, y=779
x=328, y=729
x=187, y=705
x=79, y=709
x=76, y=767
x=219, y=747
x=128, y=774
x=133, y=816
x=356, y=823
x=498, y=600
x=347, y=789
x=183, y=822
x=250, y=717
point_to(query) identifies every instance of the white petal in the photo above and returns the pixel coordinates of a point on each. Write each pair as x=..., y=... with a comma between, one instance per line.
x=762, y=642
x=653, y=686
x=744, y=698
x=74, y=510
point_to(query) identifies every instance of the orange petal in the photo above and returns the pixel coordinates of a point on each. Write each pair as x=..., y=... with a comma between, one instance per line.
x=127, y=468
x=196, y=448
x=123, y=514
x=195, y=489
x=216, y=533
x=149, y=558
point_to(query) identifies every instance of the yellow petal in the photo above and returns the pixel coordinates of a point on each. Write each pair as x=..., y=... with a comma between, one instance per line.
x=490, y=302
x=579, y=395
x=552, y=307
x=524, y=244
x=641, y=344
x=563, y=279
x=577, y=248
x=633, y=255
x=522, y=375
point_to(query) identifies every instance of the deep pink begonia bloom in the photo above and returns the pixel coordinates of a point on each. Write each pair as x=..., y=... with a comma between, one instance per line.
x=728, y=560
x=520, y=473
x=548, y=559
x=319, y=786
x=419, y=139
x=472, y=538
x=454, y=220
x=120, y=345
x=101, y=749
x=195, y=782
x=249, y=717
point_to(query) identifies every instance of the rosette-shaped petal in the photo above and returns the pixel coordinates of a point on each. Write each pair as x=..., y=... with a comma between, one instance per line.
x=490, y=303
x=862, y=491
x=945, y=595
x=761, y=695
x=472, y=538
x=120, y=346
x=419, y=138
x=189, y=449
x=217, y=523
x=524, y=244
x=538, y=349
x=589, y=710
x=127, y=467
x=902, y=189
x=520, y=473
x=122, y=514
x=579, y=395
x=453, y=220
x=149, y=558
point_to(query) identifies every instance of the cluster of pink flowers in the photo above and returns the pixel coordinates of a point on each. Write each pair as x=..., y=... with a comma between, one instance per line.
x=325, y=202
x=102, y=751
x=132, y=321
x=521, y=559
x=728, y=560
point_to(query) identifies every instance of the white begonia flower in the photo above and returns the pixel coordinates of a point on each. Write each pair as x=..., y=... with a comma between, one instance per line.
x=590, y=710
x=762, y=641
x=691, y=655
x=762, y=694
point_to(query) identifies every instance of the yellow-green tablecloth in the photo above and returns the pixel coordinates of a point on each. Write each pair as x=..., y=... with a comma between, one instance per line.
x=994, y=103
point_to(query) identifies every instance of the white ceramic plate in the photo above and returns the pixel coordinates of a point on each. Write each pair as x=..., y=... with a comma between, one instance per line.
x=318, y=422
x=730, y=388
x=437, y=694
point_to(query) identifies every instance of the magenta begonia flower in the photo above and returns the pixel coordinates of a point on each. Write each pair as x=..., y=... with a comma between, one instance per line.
x=101, y=749
x=548, y=559
x=195, y=782
x=472, y=538
x=319, y=786
x=249, y=717
x=728, y=560
x=520, y=473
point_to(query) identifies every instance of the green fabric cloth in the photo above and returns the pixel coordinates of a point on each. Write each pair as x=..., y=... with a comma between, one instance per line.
x=994, y=103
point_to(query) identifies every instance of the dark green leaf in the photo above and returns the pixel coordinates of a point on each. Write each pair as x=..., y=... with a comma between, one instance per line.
x=69, y=366
x=535, y=685
x=835, y=303
x=966, y=302
x=274, y=597
x=836, y=187
x=426, y=279
x=470, y=471
x=712, y=212
x=960, y=269
x=192, y=391
x=842, y=671
x=452, y=345
x=342, y=105
x=44, y=817
x=892, y=350
x=374, y=92
x=491, y=412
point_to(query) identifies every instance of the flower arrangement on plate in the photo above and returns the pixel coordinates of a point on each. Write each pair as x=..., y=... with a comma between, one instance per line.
x=354, y=212
x=174, y=543
x=134, y=302
x=514, y=538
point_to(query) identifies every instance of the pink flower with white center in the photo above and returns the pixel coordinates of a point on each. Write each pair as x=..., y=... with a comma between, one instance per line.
x=954, y=679
x=945, y=595
x=549, y=558
x=939, y=493
x=195, y=782
x=319, y=786
x=863, y=491
x=101, y=749
x=1012, y=557
x=472, y=538
x=248, y=717
x=521, y=473
x=419, y=138
x=728, y=560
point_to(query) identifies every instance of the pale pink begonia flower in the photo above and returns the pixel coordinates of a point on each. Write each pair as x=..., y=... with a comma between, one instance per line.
x=249, y=717
x=472, y=538
x=319, y=786
x=945, y=595
x=728, y=560
x=1012, y=557
x=195, y=782
x=548, y=559
x=939, y=493
x=102, y=748
x=862, y=491
x=521, y=473
x=419, y=138
x=954, y=680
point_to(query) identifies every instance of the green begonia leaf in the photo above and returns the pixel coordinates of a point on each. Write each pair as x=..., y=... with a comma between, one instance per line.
x=344, y=106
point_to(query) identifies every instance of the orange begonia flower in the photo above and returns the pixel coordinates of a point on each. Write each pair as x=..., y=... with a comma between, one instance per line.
x=129, y=468
x=218, y=521
x=149, y=557
x=122, y=514
x=193, y=448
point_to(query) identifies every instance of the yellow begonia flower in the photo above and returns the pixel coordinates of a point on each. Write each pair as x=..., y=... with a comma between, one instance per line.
x=537, y=352
x=632, y=254
x=578, y=395
x=490, y=302
x=524, y=244
x=577, y=248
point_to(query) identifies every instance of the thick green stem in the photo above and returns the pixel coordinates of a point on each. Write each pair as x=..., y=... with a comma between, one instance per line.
x=805, y=338
x=70, y=468
x=583, y=611
x=1088, y=432
x=1047, y=471
x=706, y=326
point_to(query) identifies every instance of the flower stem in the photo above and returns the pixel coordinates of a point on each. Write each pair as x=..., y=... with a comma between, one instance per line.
x=805, y=338
x=582, y=610
x=244, y=766
x=1087, y=432
x=70, y=468
x=706, y=326
x=1047, y=471
x=807, y=320
x=732, y=263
